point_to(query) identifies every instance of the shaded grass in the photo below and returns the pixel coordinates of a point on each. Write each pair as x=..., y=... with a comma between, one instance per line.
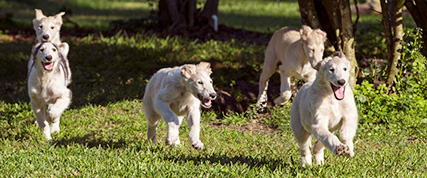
x=253, y=15
x=103, y=134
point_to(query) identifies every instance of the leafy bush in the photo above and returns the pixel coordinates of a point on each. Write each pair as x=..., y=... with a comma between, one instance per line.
x=412, y=78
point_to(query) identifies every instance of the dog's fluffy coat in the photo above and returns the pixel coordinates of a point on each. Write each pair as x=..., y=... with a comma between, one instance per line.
x=48, y=78
x=298, y=51
x=322, y=107
x=173, y=93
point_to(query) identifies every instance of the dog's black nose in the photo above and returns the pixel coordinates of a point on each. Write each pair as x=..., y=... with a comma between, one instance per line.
x=49, y=58
x=341, y=82
x=213, y=95
x=45, y=36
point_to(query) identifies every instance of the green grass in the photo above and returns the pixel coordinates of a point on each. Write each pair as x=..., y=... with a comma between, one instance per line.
x=110, y=140
x=104, y=131
x=103, y=134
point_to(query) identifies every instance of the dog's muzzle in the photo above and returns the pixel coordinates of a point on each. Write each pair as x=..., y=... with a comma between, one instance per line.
x=207, y=102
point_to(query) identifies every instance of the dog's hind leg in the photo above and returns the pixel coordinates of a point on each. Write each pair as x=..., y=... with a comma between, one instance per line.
x=285, y=89
x=318, y=152
x=152, y=121
x=268, y=69
x=193, y=119
x=41, y=115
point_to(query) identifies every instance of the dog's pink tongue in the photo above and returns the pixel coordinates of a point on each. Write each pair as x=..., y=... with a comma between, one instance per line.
x=207, y=102
x=48, y=66
x=339, y=92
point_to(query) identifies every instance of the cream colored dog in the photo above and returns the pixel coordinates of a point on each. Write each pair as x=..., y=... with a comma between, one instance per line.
x=173, y=93
x=324, y=106
x=47, y=27
x=298, y=51
x=48, y=78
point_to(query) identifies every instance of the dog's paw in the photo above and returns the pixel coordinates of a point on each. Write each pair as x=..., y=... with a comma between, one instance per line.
x=280, y=101
x=341, y=149
x=198, y=145
x=54, y=128
x=54, y=113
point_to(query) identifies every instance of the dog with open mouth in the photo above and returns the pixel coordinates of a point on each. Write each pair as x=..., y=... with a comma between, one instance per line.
x=48, y=78
x=323, y=107
x=175, y=93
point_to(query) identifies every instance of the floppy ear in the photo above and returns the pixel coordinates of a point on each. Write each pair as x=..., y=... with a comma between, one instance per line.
x=35, y=47
x=39, y=14
x=322, y=63
x=58, y=17
x=205, y=66
x=305, y=31
x=321, y=33
x=338, y=54
x=187, y=70
x=64, y=48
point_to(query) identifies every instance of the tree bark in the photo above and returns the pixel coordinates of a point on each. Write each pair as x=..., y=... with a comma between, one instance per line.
x=392, y=22
x=418, y=11
x=308, y=13
x=335, y=19
x=182, y=13
x=210, y=8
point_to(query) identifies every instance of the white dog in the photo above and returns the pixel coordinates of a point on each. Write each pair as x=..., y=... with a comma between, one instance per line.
x=298, y=51
x=47, y=27
x=324, y=106
x=48, y=78
x=173, y=93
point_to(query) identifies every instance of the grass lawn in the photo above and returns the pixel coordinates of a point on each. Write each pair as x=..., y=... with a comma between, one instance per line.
x=104, y=131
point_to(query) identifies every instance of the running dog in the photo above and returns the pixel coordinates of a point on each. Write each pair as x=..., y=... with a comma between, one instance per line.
x=48, y=78
x=172, y=94
x=298, y=51
x=324, y=106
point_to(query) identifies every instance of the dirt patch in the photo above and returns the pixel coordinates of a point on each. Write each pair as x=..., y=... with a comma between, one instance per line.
x=256, y=125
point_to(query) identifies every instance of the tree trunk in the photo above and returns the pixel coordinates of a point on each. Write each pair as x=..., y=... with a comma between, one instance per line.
x=210, y=8
x=308, y=13
x=392, y=21
x=418, y=11
x=182, y=13
x=334, y=16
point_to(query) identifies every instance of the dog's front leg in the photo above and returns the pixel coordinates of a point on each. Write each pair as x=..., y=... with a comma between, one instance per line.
x=172, y=121
x=348, y=131
x=194, y=123
x=57, y=109
x=321, y=132
x=40, y=112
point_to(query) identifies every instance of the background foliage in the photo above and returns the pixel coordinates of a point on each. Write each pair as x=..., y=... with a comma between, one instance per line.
x=103, y=133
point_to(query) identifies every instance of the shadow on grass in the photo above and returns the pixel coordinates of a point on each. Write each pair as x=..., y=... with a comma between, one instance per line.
x=89, y=141
x=271, y=163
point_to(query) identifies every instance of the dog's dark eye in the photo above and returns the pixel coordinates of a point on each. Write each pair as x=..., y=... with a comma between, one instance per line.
x=41, y=50
x=345, y=68
x=331, y=70
x=40, y=26
x=53, y=49
x=200, y=82
x=52, y=27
